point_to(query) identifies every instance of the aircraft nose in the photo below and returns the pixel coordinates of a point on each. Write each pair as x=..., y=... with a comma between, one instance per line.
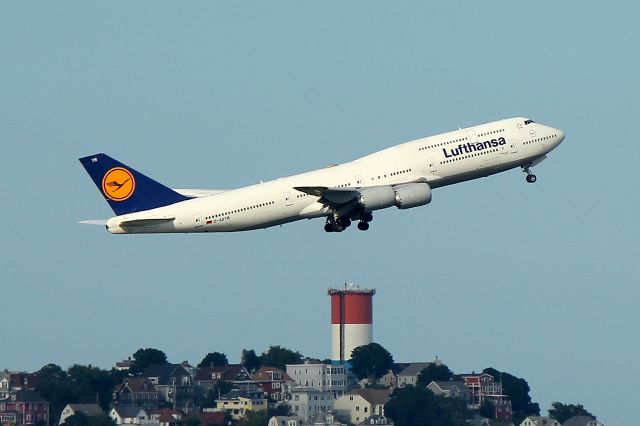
x=560, y=135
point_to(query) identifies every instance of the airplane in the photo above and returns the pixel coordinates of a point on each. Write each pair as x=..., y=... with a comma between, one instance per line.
x=401, y=176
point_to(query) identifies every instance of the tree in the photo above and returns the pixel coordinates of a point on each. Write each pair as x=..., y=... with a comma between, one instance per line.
x=214, y=359
x=413, y=406
x=88, y=381
x=279, y=357
x=250, y=360
x=255, y=418
x=563, y=412
x=143, y=358
x=518, y=391
x=192, y=420
x=53, y=384
x=433, y=372
x=81, y=419
x=487, y=409
x=370, y=361
x=220, y=388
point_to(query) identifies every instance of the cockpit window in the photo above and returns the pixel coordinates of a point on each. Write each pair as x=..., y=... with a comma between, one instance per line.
x=528, y=122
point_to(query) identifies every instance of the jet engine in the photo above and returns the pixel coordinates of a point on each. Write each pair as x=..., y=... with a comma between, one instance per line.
x=376, y=197
x=412, y=195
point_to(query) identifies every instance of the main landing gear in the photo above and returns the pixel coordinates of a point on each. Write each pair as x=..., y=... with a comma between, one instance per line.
x=339, y=224
x=531, y=178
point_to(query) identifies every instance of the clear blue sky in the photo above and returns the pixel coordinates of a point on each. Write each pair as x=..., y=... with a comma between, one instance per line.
x=537, y=280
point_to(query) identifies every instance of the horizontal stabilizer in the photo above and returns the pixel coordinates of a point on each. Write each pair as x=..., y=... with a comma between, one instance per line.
x=146, y=222
x=102, y=222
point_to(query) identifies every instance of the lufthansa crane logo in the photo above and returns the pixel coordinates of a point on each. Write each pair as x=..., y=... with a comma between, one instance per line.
x=118, y=184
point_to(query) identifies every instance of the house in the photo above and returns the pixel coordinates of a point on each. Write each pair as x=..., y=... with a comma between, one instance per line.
x=480, y=386
x=285, y=421
x=129, y=415
x=86, y=409
x=409, y=375
x=305, y=401
x=324, y=377
x=136, y=392
x=16, y=380
x=539, y=421
x=377, y=420
x=124, y=365
x=272, y=381
x=582, y=421
x=359, y=404
x=450, y=389
x=165, y=417
x=238, y=402
x=23, y=407
x=325, y=419
x=174, y=385
x=236, y=374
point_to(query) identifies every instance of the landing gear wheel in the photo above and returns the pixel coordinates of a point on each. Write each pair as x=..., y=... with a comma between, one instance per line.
x=363, y=226
x=328, y=227
x=345, y=222
x=531, y=178
x=366, y=217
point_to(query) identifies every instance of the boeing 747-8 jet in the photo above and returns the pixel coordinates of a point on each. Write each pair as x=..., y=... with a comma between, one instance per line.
x=401, y=176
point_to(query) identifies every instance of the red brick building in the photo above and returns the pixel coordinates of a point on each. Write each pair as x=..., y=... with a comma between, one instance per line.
x=23, y=407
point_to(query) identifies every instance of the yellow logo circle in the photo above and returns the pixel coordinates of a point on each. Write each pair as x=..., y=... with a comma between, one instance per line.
x=118, y=184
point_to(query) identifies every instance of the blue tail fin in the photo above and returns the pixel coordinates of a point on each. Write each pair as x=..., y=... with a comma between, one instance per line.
x=125, y=189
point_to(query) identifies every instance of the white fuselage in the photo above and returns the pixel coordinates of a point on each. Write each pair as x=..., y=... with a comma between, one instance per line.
x=439, y=160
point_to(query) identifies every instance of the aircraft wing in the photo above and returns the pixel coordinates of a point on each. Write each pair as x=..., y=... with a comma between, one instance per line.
x=146, y=222
x=197, y=193
x=331, y=196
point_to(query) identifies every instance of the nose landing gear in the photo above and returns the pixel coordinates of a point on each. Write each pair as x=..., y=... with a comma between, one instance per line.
x=531, y=178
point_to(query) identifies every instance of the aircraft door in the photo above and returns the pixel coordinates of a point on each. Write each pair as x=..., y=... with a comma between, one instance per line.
x=358, y=180
x=471, y=136
x=433, y=166
x=197, y=220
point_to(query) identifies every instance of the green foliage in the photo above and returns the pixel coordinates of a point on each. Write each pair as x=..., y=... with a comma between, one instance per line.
x=88, y=381
x=255, y=418
x=53, y=385
x=432, y=372
x=371, y=361
x=487, y=409
x=214, y=359
x=413, y=406
x=563, y=412
x=81, y=419
x=143, y=358
x=279, y=357
x=518, y=391
x=250, y=360
x=220, y=388
x=192, y=420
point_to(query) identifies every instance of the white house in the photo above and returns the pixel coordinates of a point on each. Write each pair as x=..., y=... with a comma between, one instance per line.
x=306, y=402
x=582, y=421
x=324, y=377
x=285, y=421
x=129, y=415
x=540, y=421
x=357, y=405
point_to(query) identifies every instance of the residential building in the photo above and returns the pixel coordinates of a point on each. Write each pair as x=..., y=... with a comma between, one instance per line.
x=129, y=415
x=165, y=417
x=450, y=389
x=582, y=421
x=285, y=421
x=236, y=374
x=272, y=381
x=124, y=365
x=324, y=377
x=211, y=417
x=137, y=392
x=359, y=404
x=539, y=421
x=23, y=407
x=482, y=387
x=86, y=409
x=238, y=402
x=377, y=420
x=408, y=376
x=174, y=385
x=16, y=380
x=325, y=419
x=306, y=401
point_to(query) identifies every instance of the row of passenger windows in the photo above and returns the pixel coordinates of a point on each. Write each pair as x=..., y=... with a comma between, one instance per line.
x=540, y=139
x=392, y=174
x=243, y=209
x=475, y=154
x=442, y=143
x=492, y=132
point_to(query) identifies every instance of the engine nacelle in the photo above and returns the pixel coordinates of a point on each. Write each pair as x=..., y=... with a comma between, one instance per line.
x=412, y=195
x=376, y=197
